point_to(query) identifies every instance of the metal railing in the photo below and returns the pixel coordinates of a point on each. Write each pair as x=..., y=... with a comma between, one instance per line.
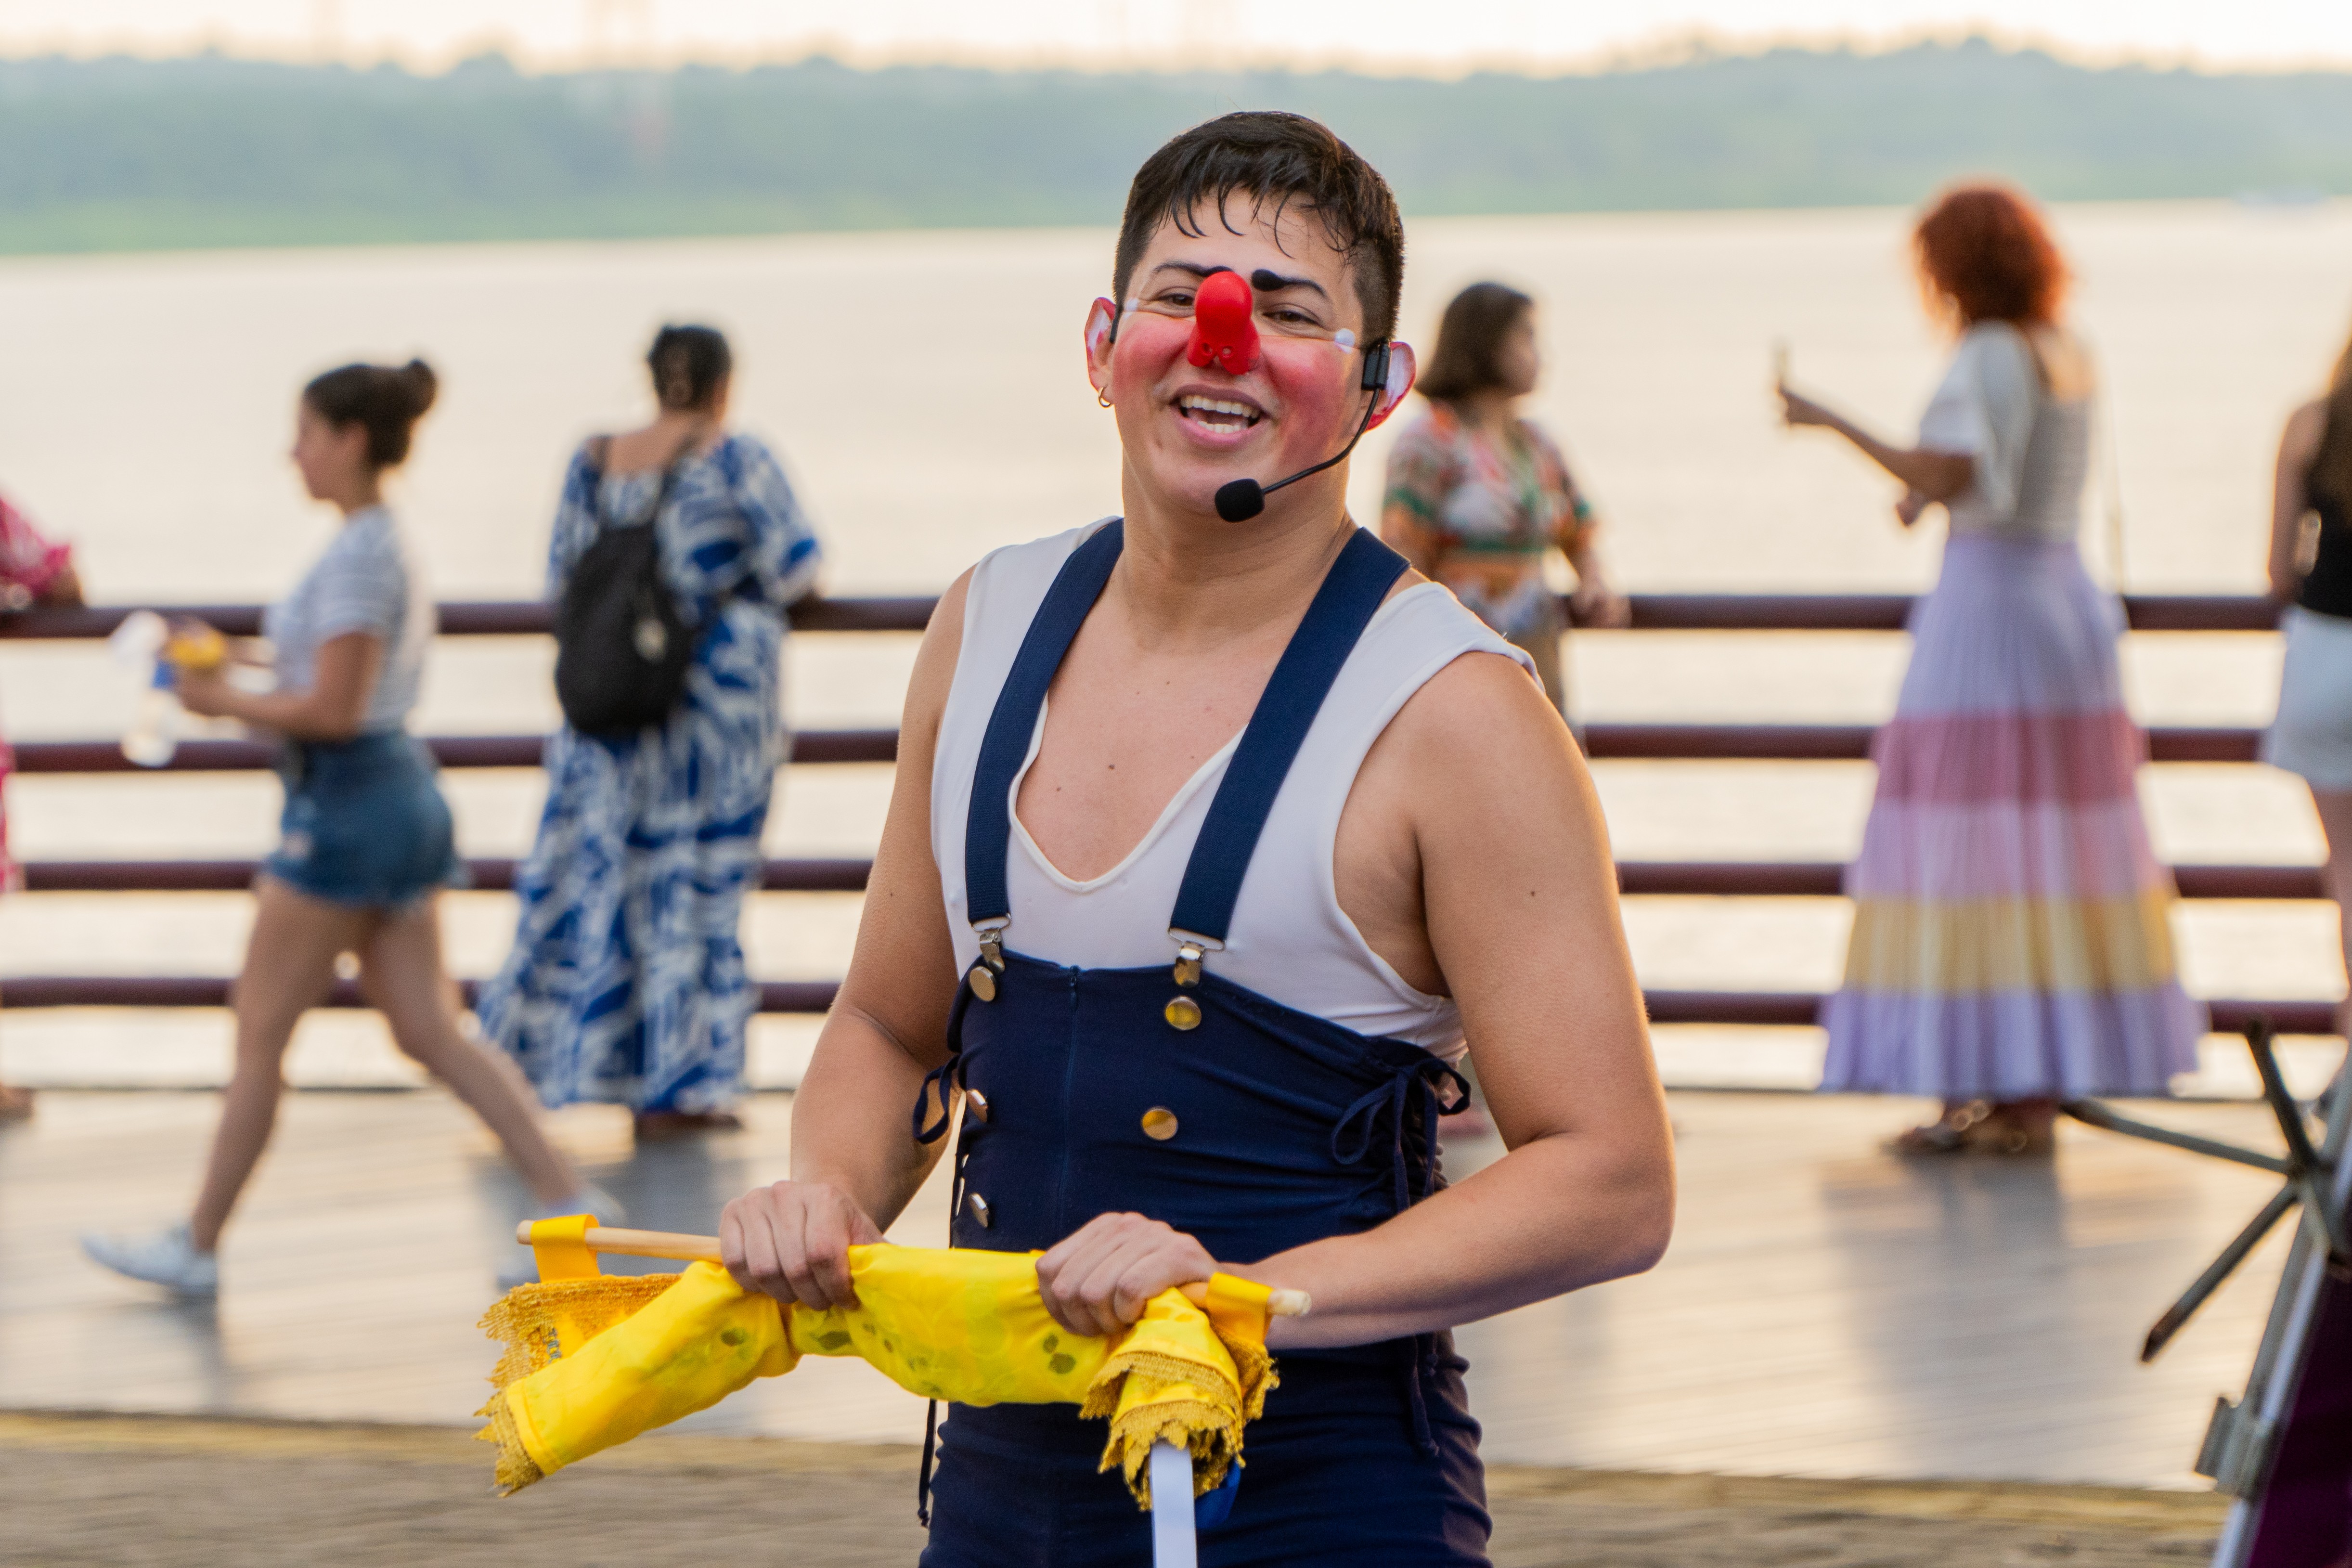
x=1661, y=612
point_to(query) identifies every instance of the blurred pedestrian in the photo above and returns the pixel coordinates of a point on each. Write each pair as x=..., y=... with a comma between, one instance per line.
x=2012, y=946
x=1478, y=496
x=2312, y=736
x=365, y=842
x=33, y=571
x=626, y=983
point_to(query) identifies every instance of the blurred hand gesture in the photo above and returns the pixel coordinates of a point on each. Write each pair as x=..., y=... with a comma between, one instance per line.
x=1798, y=410
x=1597, y=606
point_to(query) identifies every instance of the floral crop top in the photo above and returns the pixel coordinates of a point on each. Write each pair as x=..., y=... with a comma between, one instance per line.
x=1508, y=497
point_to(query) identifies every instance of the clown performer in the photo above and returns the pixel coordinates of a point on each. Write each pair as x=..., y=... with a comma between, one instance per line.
x=1216, y=830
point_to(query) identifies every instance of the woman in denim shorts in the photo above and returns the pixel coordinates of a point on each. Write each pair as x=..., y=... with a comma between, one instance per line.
x=365, y=841
x=2311, y=577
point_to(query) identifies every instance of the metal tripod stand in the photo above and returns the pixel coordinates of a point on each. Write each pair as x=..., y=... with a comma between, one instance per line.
x=2285, y=1450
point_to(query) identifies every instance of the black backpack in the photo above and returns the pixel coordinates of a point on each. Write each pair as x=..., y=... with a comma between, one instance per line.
x=622, y=647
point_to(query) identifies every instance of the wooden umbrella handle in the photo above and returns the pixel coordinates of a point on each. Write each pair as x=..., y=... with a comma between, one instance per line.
x=671, y=1243
x=642, y=1243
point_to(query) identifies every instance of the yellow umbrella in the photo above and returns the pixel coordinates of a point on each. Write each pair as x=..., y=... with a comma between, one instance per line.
x=592, y=1361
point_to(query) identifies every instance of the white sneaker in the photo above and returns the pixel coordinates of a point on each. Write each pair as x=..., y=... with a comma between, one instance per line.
x=590, y=1199
x=167, y=1258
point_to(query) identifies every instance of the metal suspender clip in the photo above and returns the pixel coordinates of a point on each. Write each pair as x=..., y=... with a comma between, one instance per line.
x=991, y=957
x=1190, y=948
x=1183, y=1012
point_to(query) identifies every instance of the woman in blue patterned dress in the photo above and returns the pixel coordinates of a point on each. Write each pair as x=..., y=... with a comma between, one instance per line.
x=626, y=983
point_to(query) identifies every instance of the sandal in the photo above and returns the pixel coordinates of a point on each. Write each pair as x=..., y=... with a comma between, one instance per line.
x=1979, y=1128
x=1949, y=1134
x=2006, y=1132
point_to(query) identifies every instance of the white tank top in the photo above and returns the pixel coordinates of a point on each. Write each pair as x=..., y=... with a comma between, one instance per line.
x=1289, y=940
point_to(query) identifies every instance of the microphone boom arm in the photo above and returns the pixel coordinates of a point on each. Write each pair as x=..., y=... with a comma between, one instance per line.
x=1238, y=500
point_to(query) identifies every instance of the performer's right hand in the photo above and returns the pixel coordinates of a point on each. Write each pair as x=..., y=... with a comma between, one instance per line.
x=791, y=1240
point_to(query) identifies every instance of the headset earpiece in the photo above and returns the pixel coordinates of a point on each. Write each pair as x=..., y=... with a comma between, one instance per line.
x=1376, y=368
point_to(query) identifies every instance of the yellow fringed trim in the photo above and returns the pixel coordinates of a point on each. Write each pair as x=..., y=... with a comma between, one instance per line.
x=1150, y=1398
x=516, y=1469
x=1194, y=1425
x=531, y=1320
x=1254, y=1364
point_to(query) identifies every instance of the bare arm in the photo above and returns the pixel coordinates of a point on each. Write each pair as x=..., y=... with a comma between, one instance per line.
x=1481, y=811
x=2290, y=496
x=332, y=708
x=856, y=1164
x=1521, y=902
x=1596, y=602
x=1933, y=476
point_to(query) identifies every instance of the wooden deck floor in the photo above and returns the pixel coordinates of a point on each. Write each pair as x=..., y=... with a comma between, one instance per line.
x=1825, y=1310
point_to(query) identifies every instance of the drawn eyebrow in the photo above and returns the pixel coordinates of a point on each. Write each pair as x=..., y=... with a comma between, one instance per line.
x=1265, y=280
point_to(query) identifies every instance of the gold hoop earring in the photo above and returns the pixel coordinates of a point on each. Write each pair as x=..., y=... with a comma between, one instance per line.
x=1102, y=396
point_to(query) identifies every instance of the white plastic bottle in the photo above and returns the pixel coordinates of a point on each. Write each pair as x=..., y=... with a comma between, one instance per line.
x=155, y=731
x=138, y=645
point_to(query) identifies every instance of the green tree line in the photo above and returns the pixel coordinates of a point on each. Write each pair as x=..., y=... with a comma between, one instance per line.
x=127, y=154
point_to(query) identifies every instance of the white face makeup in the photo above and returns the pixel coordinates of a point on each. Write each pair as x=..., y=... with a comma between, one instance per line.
x=1291, y=305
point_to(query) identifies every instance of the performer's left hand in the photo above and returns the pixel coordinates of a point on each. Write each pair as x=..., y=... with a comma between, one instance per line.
x=1099, y=1279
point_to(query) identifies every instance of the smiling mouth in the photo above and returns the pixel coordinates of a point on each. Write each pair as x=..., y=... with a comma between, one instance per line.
x=1218, y=414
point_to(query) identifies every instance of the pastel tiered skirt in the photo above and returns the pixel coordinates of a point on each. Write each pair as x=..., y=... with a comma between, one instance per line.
x=2010, y=936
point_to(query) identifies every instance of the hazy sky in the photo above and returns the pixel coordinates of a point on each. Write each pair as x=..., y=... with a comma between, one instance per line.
x=1393, y=33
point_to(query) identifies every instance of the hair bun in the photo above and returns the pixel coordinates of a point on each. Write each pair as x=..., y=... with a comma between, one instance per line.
x=424, y=387
x=389, y=401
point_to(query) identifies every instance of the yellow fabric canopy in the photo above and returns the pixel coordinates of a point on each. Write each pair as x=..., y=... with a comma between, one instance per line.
x=593, y=1361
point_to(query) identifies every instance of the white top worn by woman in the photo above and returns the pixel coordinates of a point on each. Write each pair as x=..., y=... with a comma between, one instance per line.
x=1290, y=940
x=2031, y=450
x=365, y=581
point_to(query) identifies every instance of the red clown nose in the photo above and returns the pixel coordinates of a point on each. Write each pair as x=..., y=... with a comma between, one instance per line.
x=1223, y=331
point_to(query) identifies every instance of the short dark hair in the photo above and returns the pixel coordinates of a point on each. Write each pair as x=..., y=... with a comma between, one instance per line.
x=386, y=400
x=1273, y=158
x=688, y=364
x=1469, y=337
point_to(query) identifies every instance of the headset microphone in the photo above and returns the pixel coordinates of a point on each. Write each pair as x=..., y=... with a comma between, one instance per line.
x=1242, y=499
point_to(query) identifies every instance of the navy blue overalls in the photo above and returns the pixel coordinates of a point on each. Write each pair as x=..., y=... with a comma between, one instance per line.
x=1171, y=1092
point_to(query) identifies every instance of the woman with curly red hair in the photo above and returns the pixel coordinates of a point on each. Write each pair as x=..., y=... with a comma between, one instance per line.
x=2012, y=943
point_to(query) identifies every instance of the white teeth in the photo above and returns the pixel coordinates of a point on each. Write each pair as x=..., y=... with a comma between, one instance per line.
x=1216, y=405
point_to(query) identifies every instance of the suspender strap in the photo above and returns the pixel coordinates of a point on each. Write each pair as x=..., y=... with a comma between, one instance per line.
x=1342, y=608
x=987, y=830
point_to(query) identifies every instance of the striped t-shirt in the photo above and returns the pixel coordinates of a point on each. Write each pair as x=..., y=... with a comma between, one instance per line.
x=362, y=582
